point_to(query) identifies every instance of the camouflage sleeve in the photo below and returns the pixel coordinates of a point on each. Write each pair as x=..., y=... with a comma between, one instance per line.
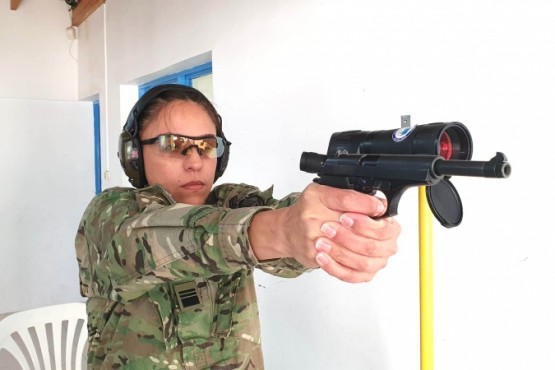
x=129, y=241
x=239, y=195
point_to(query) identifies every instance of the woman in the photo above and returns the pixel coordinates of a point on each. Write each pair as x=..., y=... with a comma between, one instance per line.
x=168, y=266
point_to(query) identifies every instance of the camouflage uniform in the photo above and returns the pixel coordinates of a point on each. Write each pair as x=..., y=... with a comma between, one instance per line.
x=170, y=286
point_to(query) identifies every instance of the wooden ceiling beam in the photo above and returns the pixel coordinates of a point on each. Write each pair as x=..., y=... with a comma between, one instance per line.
x=14, y=4
x=83, y=10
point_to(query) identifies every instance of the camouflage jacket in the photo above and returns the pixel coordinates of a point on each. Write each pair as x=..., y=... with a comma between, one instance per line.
x=170, y=286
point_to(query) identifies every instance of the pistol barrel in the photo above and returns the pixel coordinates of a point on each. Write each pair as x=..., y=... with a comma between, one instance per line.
x=496, y=167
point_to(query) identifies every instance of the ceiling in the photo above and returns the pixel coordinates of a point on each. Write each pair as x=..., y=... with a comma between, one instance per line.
x=80, y=9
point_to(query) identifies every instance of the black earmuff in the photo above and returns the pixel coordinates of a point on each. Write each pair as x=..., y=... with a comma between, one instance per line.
x=130, y=150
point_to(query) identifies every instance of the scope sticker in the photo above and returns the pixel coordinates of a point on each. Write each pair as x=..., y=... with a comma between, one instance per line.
x=402, y=133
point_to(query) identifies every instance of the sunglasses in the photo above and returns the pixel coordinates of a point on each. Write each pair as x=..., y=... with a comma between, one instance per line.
x=210, y=146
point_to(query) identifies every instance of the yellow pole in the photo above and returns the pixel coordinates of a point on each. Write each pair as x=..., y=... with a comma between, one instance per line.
x=426, y=283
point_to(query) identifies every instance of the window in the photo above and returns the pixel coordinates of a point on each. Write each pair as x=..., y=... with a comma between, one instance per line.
x=199, y=77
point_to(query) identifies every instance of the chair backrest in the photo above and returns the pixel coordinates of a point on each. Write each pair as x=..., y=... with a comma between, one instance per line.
x=51, y=337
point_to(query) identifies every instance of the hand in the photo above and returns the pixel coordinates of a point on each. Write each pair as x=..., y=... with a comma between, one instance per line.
x=357, y=247
x=338, y=234
x=332, y=229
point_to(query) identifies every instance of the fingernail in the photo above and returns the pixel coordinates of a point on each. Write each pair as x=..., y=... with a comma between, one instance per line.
x=380, y=207
x=346, y=220
x=322, y=259
x=328, y=231
x=323, y=246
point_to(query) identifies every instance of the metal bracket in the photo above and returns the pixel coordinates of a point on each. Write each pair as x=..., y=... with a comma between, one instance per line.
x=405, y=121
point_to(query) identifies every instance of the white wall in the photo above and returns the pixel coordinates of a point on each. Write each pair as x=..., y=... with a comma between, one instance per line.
x=38, y=60
x=46, y=156
x=288, y=74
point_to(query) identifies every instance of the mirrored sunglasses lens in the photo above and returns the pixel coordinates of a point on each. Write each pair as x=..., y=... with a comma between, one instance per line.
x=208, y=146
x=166, y=142
x=170, y=143
x=220, y=147
x=211, y=147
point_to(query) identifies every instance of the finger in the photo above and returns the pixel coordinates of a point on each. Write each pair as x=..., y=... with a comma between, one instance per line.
x=380, y=229
x=341, y=272
x=343, y=200
x=377, y=242
x=350, y=259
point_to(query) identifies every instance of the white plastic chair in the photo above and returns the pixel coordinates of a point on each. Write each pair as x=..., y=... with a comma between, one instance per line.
x=51, y=337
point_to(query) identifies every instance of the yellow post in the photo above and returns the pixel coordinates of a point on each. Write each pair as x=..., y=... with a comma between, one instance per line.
x=426, y=283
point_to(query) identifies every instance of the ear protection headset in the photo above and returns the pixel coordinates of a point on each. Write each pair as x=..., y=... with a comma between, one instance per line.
x=130, y=149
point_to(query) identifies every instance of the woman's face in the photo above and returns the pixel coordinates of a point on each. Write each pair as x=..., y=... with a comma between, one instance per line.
x=188, y=177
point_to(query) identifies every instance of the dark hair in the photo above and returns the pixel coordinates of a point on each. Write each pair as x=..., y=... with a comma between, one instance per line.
x=157, y=105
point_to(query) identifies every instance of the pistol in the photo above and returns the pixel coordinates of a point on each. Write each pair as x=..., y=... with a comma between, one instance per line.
x=391, y=161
